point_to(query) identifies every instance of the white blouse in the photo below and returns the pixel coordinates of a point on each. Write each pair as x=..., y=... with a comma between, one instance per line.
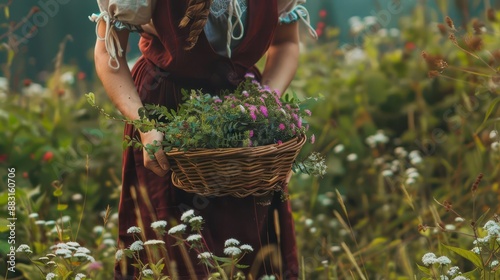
x=223, y=34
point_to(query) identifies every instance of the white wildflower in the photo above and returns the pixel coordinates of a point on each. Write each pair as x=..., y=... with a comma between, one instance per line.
x=444, y=277
x=132, y=230
x=231, y=242
x=64, y=219
x=118, y=255
x=80, y=276
x=187, y=215
x=62, y=252
x=352, y=157
x=339, y=148
x=429, y=258
x=492, y=227
x=23, y=248
x=177, y=229
x=354, y=56
x=40, y=222
x=394, y=32
x=450, y=227
x=383, y=32
x=308, y=222
x=370, y=20
x=443, y=260
x=67, y=78
x=416, y=160
x=334, y=249
x=414, y=154
x=108, y=242
x=460, y=277
x=246, y=247
x=158, y=224
x=73, y=244
x=50, y=223
x=413, y=175
x=193, y=238
x=43, y=259
x=83, y=250
x=51, y=263
x=387, y=173
x=400, y=151
x=50, y=276
x=313, y=230
x=77, y=197
x=98, y=229
x=205, y=255
x=33, y=215
x=494, y=264
x=136, y=246
x=410, y=181
x=495, y=146
x=197, y=219
x=493, y=134
x=242, y=109
x=81, y=255
x=147, y=272
x=411, y=170
x=454, y=270
x=476, y=250
x=459, y=220
x=232, y=251
x=154, y=242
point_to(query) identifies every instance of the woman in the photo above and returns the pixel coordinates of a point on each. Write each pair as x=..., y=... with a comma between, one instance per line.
x=211, y=45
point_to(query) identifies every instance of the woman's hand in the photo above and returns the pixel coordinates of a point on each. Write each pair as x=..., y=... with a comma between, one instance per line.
x=159, y=164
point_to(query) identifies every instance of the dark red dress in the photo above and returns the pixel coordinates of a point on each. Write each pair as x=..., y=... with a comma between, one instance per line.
x=160, y=73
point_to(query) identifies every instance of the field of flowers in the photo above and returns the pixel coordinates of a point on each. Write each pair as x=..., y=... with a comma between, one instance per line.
x=409, y=125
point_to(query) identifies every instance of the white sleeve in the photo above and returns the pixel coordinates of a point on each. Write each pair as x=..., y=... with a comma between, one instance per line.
x=120, y=14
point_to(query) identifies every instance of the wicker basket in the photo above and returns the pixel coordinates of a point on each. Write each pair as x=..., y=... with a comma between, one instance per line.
x=238, y=172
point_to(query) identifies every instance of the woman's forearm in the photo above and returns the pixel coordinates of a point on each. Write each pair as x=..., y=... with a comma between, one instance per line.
x=282, y=58
x=118, y=83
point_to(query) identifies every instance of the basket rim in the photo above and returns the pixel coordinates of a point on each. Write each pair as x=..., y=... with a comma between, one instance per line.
x=298, y=140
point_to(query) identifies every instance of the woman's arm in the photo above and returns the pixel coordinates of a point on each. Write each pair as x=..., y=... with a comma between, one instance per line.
x=282, y=57
x=121, y=90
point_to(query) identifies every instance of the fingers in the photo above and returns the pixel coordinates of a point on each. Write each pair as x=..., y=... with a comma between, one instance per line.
x=161, y=158
x=153, y=165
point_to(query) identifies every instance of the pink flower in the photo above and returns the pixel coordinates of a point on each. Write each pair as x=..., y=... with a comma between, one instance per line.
x=263, y=110
x=245, y=93
x=280, y=142
x=295, y=117
x=249, y=75
x=299, y=123
x=250, y=133
x=252, y=115
x=218, y=101
x=313, y=139
x=277, y=98
x=282, y=126
x=308, y=112
x=262, y=100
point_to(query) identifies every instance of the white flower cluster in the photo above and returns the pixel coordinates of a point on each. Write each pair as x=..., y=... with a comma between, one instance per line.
x=430, y=259
x=72, y=250
x=376, y=139
x=495, y=145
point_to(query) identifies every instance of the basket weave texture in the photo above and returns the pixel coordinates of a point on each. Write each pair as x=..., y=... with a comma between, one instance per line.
x=237, y=172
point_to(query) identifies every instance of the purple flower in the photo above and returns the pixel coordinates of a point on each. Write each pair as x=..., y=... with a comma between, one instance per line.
x=308, y=112
x=295, y=117
x=278, y=101
x=252, y=115
x=313, y=139
x=218, y=101
x=263, y=110
x=262, y=100
x=250, y=133
x=299, y=123
x=245, y=93
x=282, y=126
x=249, y=75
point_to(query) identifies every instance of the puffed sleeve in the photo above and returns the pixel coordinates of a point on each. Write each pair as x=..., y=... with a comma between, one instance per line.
x=292, y=11
x=121, y=14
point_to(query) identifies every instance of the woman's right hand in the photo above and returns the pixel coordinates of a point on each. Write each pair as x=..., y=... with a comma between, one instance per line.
x=159, y=164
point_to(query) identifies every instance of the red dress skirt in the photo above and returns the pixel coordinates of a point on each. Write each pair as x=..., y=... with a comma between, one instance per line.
x=160, y=74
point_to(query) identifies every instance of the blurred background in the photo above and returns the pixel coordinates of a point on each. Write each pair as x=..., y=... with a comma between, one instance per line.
x=408, y=123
